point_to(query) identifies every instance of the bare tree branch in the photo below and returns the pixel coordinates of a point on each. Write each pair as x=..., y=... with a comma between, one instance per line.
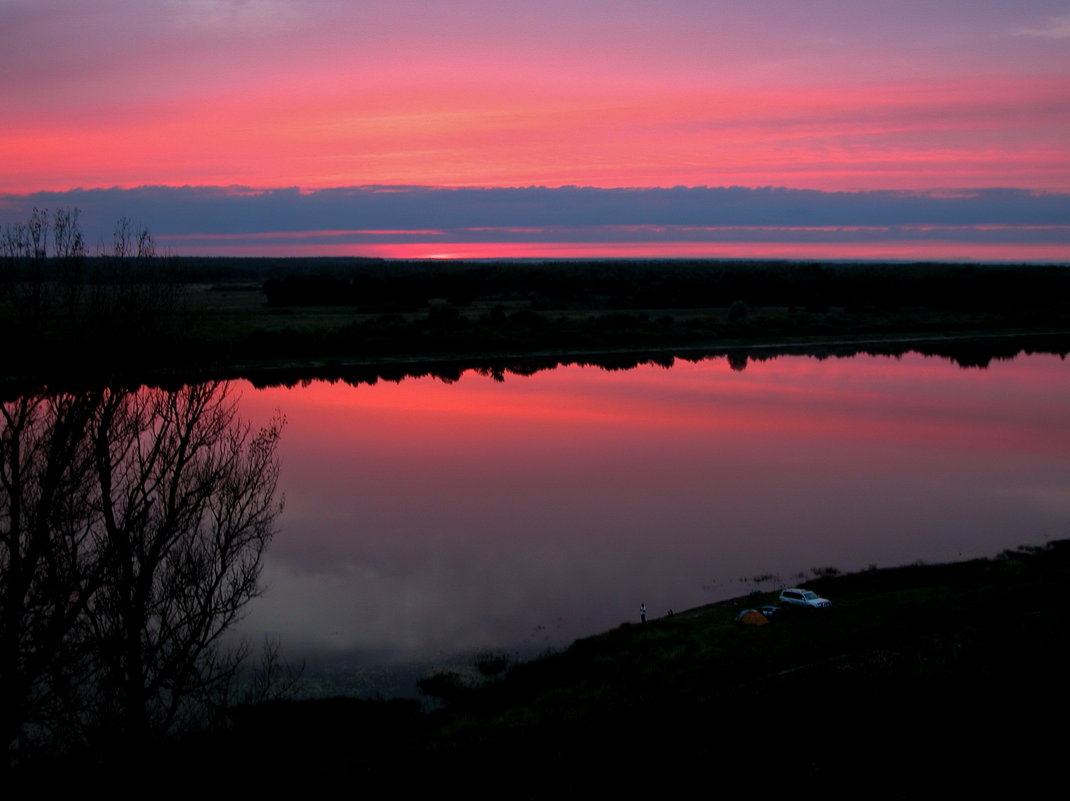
x=132, y=528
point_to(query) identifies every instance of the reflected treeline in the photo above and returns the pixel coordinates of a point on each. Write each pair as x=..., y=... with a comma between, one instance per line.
x=967, y=352
x=132, y=524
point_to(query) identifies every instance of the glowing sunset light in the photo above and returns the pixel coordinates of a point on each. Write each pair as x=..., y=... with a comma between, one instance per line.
x=843, y=251
x=967, y=134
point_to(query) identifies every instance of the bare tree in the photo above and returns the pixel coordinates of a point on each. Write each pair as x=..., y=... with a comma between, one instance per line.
x=133, y=526
x=117, y=310
x=186, y=505
x=27, y=284
x=133, y=297
x=69, y=251
x=47, y=566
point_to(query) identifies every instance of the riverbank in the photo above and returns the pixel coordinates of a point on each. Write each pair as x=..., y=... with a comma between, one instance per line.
x=920, y=681
x=964, y=349
x=329, y=315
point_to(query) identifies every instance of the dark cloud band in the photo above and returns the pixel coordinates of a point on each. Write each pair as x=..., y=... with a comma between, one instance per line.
x=189, y=217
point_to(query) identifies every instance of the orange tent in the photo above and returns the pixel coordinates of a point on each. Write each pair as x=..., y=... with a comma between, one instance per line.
x=752, y=617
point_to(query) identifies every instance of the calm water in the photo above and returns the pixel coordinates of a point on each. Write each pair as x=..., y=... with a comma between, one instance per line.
x=426, y=519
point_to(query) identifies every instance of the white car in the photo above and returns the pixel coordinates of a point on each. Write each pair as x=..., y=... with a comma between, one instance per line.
x=802, y=599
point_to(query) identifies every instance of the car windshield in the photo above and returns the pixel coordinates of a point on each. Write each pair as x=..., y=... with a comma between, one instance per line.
x=809, y=595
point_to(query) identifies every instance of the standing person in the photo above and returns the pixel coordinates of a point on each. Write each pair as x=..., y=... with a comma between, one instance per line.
x=642, y=613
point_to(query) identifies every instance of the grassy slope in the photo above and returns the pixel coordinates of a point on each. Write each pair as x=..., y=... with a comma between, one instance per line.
x=922, y=681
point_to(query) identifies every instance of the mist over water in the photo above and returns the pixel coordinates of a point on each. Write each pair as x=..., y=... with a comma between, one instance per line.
x=427, y=519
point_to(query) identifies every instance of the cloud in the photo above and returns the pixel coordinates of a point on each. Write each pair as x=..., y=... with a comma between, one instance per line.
x=239, y=15
x=1056, y=28
x=201, y=219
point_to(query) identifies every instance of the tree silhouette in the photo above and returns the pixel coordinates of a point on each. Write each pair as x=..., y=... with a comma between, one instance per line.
x=48, y=562
x=113, y=309
x=132, y=527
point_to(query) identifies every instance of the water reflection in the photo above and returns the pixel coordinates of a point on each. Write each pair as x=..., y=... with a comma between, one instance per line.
x=426, y=518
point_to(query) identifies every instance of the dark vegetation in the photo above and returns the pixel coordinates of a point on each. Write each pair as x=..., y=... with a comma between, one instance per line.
x=921, y=681
x=520, y=308
x=974, y=351
x=132, y=525
x=675, y=284
x=65, y=313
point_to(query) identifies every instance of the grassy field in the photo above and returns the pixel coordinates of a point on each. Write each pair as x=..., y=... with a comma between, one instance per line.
x=245, y=315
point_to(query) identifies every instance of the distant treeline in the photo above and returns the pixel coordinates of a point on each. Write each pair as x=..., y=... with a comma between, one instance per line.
x=677, y=285
x=257, y=269
x=967, y=353
x=134, y=313
x=973, y=352
x=445, y=333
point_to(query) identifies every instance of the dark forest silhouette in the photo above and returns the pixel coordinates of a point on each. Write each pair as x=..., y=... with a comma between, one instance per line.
x=67, y=313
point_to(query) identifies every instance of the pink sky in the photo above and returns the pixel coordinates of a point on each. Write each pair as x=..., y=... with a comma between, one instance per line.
x=832, y=94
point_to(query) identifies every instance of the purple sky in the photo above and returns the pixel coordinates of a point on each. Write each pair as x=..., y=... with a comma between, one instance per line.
x=830, y=95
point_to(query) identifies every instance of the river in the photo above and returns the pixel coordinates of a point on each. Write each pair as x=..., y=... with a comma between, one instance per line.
x=427, y=520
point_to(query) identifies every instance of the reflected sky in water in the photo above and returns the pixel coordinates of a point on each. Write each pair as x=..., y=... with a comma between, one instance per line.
x=424, y=518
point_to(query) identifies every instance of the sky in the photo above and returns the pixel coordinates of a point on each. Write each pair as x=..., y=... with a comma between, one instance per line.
x=170, y=108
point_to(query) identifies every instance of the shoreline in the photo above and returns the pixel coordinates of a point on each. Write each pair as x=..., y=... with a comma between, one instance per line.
x=279, y=371
x=399, y=319
x=905, y=680
x=703, y=350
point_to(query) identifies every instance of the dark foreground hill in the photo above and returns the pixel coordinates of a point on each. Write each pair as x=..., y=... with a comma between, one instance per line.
x=923, y=681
